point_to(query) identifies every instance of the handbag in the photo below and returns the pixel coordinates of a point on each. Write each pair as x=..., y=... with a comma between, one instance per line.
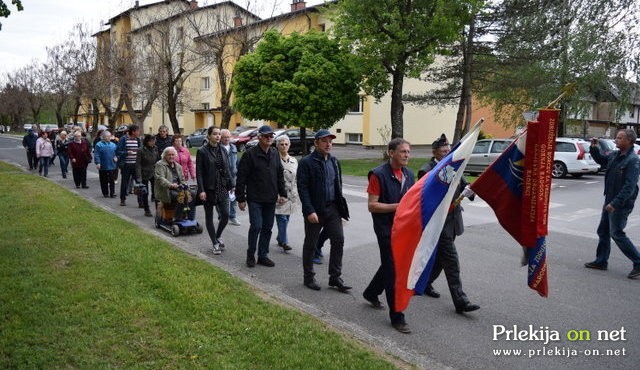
x=343, y=207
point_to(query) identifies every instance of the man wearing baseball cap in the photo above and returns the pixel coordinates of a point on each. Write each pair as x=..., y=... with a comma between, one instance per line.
x=260, y=184
x=319, y=182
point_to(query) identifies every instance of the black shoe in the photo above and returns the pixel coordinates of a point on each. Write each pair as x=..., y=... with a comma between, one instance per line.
x=64, y=176
x=85, y=187
x=431, y=292
x=251, y=261
x=634, y=273
x=312, y=285
x=148, y=213
x=467, y=308
x=112, y=196
x=339, y=285
x=596, y=266
x=77, y=186
x=266, y=262
x=285, y=247
x=402, y=327
x=375, y=302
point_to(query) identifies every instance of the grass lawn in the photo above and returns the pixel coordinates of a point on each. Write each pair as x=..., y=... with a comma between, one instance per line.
x=82, y=288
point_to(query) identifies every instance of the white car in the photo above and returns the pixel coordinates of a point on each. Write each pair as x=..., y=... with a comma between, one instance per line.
x=572, y=157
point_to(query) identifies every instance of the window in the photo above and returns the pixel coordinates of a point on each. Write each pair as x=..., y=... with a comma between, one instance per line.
x=322, y=27
x=499, y=146
x=205, y=106
x=633, y=111
x=481, y=147
x=149, y=39
x=206, y=83
x=358, y=106
x=565, y=147
x=354, y=138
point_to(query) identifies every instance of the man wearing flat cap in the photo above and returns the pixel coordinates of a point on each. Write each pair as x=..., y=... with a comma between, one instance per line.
x=446, y=254
x=319, y=181
x=260, y=184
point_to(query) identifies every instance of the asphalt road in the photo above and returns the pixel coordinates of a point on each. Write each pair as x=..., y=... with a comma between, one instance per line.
x=580, y=301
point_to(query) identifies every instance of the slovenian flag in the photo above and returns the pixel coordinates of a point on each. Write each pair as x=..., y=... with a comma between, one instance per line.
x=420, y=217
x=517, y=186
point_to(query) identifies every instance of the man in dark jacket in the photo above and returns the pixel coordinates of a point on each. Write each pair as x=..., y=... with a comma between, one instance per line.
x=387, y=185
x=163, y=139
x=260, y=183
x=446, y=254
x=29, y=144
x=320, y=189
x=620, y=193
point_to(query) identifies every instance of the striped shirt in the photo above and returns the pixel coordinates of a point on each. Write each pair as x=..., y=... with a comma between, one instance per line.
x=132, y=150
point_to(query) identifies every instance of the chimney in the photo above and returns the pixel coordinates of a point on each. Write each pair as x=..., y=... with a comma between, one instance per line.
x=237, y=20
x=137, y=4
x=298, y=5
x=193, y=4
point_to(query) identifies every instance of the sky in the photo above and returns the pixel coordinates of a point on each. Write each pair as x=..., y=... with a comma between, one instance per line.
x=45, y=23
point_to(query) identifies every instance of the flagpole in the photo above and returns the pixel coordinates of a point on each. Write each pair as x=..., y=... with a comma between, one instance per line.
x=568, y=90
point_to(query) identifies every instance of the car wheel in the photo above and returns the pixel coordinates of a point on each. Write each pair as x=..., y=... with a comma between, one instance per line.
x=188, y=144
x=559, y=170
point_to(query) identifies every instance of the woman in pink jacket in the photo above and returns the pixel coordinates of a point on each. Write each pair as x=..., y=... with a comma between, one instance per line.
x=184, y=158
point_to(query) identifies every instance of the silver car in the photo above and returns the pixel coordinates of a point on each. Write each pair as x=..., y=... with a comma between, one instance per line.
x=484, y=153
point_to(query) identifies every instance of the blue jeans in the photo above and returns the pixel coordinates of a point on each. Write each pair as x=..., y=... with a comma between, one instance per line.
x=43, y=165
x=64, y=162
x=612, y=226
x=283, y=222
x=261, y=217
x=232, y=209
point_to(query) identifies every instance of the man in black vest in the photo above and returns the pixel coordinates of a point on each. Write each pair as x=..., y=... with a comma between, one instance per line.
x=387, y=185
x=446, y=255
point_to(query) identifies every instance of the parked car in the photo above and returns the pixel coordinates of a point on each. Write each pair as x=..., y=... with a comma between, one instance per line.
x=197, y=138
x=484, y=153
x=294, y=138
x=243, y=138
x=240, y=129
x=572, y=157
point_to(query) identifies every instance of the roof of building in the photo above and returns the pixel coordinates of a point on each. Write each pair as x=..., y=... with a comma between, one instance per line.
x=310, y=9
x=175, y=16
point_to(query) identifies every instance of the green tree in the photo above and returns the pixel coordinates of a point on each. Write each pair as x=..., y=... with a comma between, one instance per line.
x=542, y=44
x=5, y=11
x=397, y=39
x=303, y=80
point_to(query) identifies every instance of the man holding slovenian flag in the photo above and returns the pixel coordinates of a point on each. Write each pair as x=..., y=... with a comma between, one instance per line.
x=517, y=186
x=425, y=207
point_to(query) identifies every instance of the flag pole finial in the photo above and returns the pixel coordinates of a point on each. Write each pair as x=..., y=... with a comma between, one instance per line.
x=568, y=90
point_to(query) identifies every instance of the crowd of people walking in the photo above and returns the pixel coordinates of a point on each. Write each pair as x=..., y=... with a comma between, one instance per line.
x=265, y=181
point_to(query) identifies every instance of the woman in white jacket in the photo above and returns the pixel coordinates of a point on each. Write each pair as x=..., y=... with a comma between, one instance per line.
x=44, y=152
x=284, y=210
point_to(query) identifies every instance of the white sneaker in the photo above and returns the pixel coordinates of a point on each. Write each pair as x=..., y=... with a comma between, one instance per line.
x=216, y=249
x=234, y=222
x=221, y=244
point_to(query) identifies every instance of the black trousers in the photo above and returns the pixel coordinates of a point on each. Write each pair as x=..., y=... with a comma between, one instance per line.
x=128, y=172
x=80, y=176
x=222, y=207
x=447, y=260
x=32, y=159
x=384, y=280
x=332, y=223
x=144, y=198
x=107, y=182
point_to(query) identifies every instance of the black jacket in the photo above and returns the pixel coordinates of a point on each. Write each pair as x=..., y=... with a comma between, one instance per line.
x=206, y=171
x=260, y=176
x=310, y=180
